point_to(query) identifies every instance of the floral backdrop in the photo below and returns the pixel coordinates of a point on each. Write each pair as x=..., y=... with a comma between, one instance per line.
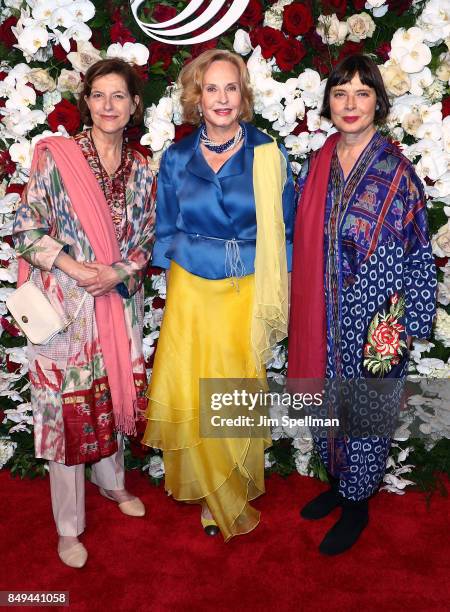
x=290, y=46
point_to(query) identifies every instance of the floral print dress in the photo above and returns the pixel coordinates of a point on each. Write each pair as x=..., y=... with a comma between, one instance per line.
x=72, y=407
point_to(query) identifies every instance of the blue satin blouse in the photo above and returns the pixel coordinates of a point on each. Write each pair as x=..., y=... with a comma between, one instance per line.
x=206, y=221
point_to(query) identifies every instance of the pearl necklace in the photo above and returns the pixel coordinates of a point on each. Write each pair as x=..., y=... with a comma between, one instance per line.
x=224, y=146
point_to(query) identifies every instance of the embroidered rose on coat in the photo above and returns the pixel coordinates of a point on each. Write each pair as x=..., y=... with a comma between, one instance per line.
x=385, y=346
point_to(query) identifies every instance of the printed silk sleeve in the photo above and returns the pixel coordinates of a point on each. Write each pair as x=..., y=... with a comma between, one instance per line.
x=132, y=268
x=167, y=210
x=420, y=279
x=35, y=222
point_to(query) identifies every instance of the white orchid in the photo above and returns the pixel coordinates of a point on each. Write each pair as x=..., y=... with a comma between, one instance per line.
x=20, y=152
x=309, y=82
x=420, y=81
x=21, y=98
x=82, y=10
x=62, y=17
x=21, y=121
x=134, y=53
x=78, y=32
x=242, y=44
x=298, y=145
x=409, y=50
x=31, y=39
x=435, y=21
x=160, y=133
x=294, y=111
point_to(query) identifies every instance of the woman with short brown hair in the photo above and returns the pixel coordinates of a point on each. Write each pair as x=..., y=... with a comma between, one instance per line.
x=85, y=226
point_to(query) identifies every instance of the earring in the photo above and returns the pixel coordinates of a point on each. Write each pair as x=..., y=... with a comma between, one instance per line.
x=377, y=107
x=200, y=112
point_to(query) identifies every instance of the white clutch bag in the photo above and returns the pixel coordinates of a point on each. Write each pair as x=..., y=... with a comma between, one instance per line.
x=35, y=315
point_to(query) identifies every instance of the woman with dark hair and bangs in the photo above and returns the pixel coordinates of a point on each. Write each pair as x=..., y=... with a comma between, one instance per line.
x=363, y=284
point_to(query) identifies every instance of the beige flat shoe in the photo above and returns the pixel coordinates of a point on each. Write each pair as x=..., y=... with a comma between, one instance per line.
x=133, y=507
x=75, y=556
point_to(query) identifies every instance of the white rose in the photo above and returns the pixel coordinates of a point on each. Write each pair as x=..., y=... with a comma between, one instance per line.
x=41, y=79
x=70, y=80
x=7, y=449
x=84, y=57
x=395, y=79
x=441, y=241
x=443, y=70
x=331, y=30
x=156, y=467
x=411, y=122
x=442, y=325
x=242, y=44
x=360, y=26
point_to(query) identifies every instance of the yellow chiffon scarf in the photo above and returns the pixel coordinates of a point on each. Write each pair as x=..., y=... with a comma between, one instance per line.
x=270, y=305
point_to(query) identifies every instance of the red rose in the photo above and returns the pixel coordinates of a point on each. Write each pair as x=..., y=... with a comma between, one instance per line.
x=158, y=302
x=7, y=166
x=161, y=52
x=383, y=51
x=142, y=71
x=297, y=19
x=120, y=34
x=313, y=40
x=302, y=126
x=253, y=14
x=15, y=187
x=6, y=36
x=359, y=4
x=446, y=106
x=321, y=65
x=59, y=52
x=399, y=6
x=335, y=6
x=183, y=130
x=269, y=39
x=290, y=54
x=162, y=13
x=9, y=327
x=197, y=50
x=350, y=48
x=386, y=338
x=441, y=262
x=66, y=114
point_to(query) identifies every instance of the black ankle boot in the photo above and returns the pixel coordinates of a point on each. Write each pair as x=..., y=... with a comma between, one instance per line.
x=323, y=504
x=353, y=521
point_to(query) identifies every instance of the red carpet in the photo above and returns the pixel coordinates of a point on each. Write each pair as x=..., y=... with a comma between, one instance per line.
x=165, y=562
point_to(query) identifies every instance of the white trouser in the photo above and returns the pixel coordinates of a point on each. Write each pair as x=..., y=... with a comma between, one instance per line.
x=68, y=490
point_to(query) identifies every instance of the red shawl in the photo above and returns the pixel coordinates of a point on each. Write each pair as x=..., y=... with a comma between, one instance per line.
x=307, y=326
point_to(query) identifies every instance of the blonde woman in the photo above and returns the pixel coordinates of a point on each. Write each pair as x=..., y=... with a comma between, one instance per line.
x=218, y=188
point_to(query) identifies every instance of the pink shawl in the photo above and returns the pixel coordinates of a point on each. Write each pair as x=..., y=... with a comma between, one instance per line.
x=93, y=212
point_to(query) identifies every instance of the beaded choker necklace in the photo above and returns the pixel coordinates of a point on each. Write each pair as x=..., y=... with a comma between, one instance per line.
x=224, y=146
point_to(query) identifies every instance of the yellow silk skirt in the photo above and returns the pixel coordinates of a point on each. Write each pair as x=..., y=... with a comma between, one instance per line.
x=205, y=334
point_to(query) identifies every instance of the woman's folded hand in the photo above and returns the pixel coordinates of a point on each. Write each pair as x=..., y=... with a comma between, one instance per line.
x=98, y=279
